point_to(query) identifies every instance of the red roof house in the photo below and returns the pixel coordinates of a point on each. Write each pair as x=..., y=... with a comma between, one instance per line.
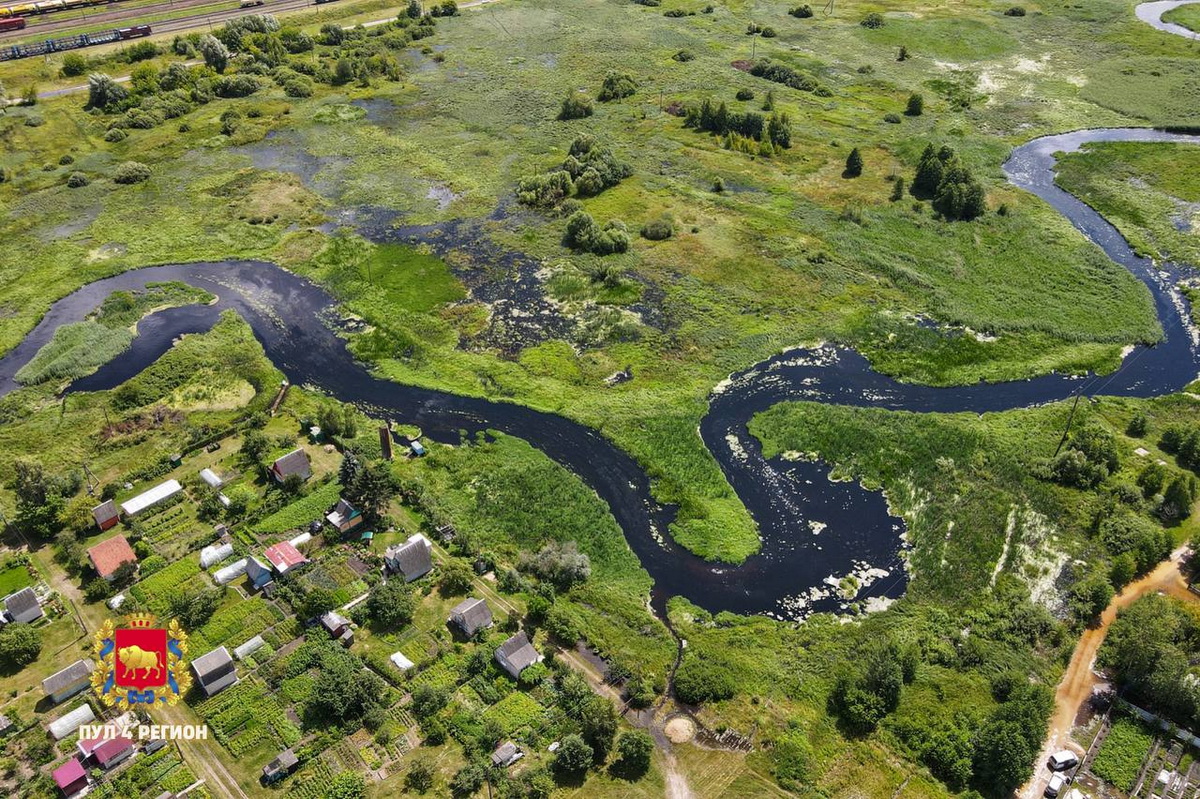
x=112, y=751
x=110, y=555
x=70, y=777
x=284, y=556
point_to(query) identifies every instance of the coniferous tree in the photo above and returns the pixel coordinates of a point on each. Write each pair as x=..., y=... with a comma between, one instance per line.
x=929, y=174
x=854, y=164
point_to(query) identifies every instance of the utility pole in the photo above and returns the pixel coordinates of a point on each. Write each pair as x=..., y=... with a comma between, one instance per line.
x=1067, y=429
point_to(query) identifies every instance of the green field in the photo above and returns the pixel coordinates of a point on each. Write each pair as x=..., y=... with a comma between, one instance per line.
x=1122, y=753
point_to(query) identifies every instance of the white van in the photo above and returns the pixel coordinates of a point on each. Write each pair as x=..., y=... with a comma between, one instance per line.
x=1063, y=760
x=1056, y=785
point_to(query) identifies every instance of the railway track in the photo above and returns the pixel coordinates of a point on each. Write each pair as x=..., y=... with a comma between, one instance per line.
x=115, y=17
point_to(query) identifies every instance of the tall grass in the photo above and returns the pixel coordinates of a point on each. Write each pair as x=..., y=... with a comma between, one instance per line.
x=75, y=350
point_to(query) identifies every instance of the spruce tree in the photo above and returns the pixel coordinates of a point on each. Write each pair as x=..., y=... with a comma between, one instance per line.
x=854, y=164
x=929, y=174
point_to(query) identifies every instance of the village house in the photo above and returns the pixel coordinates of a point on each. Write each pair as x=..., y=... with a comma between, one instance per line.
x=471, y=615
x=283, y=557
x=517, y=654
x=260, y=574
x=338, y=626
x=70, y=777
x=506, y=754
x=108, y=556
x=283, y=765
x=412, y=559
x=344, y=517
x=64, y=684
x=106, y=753
x=106, y=514
x=23, y=606
x=295, y=462
x=148, y=499
x=214, y=671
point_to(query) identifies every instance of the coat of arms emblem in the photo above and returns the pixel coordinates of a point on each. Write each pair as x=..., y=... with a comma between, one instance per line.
x=141, y=664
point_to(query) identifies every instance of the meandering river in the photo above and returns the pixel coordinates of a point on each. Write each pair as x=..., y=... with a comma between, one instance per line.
x=814, y=531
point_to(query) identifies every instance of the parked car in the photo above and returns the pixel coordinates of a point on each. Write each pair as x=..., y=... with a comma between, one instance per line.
x=1055, y=787
x=1063, y=760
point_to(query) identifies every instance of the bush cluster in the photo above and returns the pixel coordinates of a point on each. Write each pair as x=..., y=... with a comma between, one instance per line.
x=617, y=86
x=780, y=73
x=584, y=233
x=587, y=170
x=575, y=106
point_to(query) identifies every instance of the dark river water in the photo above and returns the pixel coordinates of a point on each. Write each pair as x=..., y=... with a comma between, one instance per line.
x=814, y=532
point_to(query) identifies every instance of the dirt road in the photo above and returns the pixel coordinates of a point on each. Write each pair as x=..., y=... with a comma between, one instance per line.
x=1080, y=678
x=206, y=764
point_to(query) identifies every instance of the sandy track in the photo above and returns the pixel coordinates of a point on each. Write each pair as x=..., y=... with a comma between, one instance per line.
x=1079, y=679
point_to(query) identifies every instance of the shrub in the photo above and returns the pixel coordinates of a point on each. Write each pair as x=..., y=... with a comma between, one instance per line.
x=141, y=51
x=683, y=56
x=77, y=180
x=115, y=135
x=745, y=94
x=131, y=172
x=891, y=119
x=872, y=21
x=1015, y=11
x=617, y=85
x=298, y=87
x=649, y=3
x=142, y=120
x=701, y=680
x=658, y=229
x=779, y=73
x=34, y=121
x=74, y=65
x=915, y=106
x=769, y=33
x=903, y=54
x=20, y=645
x=575, y=106
x=802, y=12
x=235, y=86
x=583, y=233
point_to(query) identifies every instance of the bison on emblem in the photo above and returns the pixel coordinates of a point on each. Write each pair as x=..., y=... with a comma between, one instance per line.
x=134, y=658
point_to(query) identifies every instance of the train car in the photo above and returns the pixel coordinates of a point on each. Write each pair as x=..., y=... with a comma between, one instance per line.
x=134, y=32
x=20, y=10
x=322, y=2
x=29, y=9
x=11, y=24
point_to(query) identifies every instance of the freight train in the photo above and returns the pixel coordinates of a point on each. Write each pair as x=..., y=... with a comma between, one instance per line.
x=11, y=24
x=47, y=7
x=72, y=42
